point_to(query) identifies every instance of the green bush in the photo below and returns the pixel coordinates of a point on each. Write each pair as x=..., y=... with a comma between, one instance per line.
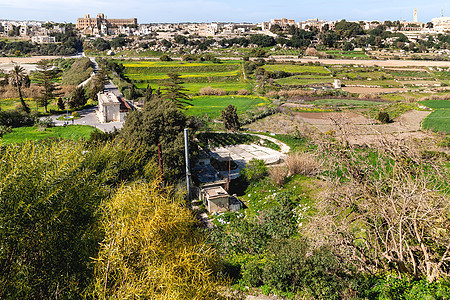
x=16, y=118
x=255, y=170
x=165, y=57
x=384, y=117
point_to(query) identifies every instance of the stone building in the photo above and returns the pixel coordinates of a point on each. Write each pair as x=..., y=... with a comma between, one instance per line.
x=87, y=24
x=108, y=108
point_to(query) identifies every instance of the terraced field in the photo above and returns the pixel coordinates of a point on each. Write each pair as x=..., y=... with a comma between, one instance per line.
x=225, y=75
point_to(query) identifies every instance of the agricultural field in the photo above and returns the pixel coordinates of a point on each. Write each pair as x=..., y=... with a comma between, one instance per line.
x=348, y=54
x=195, y=75
x=350, y=103
x=23, y=134
x=213, y=105
x=439, y=120
x=299, y=80
x=298, y=69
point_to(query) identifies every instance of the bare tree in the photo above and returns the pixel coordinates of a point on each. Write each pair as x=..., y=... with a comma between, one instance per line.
x=385, y=207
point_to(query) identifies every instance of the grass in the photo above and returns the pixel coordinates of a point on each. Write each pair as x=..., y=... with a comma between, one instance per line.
x=348, y=54
x=346, y=102
x=213, y=105
x=394, y=109
x=438, y=120
x=260, y=195
x=436, y=104
x=160, y=76
x=23, y=134
x=13, y=103
x=221, y=139
x=297, y=80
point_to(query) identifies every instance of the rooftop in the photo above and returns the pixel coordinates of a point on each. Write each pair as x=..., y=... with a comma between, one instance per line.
x=108, y=98
x=215, y=192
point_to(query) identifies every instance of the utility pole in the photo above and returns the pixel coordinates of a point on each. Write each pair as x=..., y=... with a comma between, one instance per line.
x=188, y=169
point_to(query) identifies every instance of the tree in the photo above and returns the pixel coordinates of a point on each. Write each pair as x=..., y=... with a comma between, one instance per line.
x=49, y=214
x=148, y=93
x=276, y=28
x=60, y=103
x=159, y=122
x=165, y=57
x=384, y=117
x=17, y=75
x=348, y=29
x=46, y=78
x=175, y=92
x=98, y=84
x=230, y=118
x=78, y=97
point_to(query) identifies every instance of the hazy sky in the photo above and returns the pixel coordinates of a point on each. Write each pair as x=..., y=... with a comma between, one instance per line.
x=153, y=11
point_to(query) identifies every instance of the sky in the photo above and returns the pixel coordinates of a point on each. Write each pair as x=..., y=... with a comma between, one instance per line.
x=254, y=11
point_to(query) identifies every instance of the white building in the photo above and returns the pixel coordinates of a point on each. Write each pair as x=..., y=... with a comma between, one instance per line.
x=43, y=39
x=108, y=108
x=441, y=24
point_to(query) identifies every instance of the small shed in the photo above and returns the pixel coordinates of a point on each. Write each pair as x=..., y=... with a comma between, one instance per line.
x=215, y=199
x=108, y=107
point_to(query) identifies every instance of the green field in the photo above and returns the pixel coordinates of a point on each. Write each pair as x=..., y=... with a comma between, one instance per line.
x=160, y=76
x=347, y=102
x=23, y=134
x=297, y=69
x=436, y=104
x=297, y=80
x=438, y=120
x=213, y=105
x=195, y=75
x=348, y=54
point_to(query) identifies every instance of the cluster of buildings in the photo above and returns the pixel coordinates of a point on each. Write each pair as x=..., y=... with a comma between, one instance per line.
x=30, y=29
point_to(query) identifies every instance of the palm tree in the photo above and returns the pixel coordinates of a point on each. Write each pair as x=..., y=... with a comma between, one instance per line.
x=17, y=76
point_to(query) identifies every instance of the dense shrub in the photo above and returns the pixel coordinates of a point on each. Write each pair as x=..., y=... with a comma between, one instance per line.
x=16, y=118
x=384, y=117
x=255, y=170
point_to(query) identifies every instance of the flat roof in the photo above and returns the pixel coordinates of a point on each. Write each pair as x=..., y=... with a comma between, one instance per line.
x=215, y=192
x=108, y=98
